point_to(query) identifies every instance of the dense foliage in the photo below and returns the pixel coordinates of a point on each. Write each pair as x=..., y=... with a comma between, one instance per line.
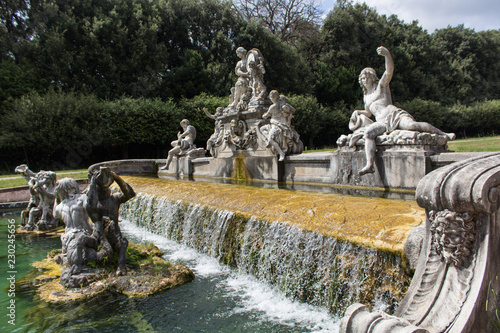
x=87, y=80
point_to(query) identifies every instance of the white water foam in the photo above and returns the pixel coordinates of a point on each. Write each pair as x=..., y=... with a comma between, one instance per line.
x=260, y=297
x=252, y=295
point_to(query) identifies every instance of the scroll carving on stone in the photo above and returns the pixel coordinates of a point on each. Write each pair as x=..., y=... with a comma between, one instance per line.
x=458, y=263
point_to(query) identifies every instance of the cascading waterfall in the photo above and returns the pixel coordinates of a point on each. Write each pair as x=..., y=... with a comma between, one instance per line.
x=305, y=265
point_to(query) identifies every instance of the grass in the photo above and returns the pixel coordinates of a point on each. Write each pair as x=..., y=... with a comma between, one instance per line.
x=326, y=149
x=486, y=144
x=15, y=180
x=476, y=144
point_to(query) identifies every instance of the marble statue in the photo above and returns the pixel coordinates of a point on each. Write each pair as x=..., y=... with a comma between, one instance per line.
x=388, y=118
x=249, y=88
x=103, y=207
x=42, y=191
x=279, y=133
x=218, y=135
x=252, y=127
x=183, y=144
x=243, y=77
x=78, y=246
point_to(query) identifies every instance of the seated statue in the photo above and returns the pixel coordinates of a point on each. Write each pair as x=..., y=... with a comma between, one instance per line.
x=378, y=103
x=183, y=144
x=103, y=208
x=280, y=134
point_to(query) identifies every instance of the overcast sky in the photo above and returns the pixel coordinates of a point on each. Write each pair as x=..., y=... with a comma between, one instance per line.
x=436, y=14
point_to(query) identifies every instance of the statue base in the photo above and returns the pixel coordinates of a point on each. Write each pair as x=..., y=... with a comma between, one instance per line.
x=395, y=166
x=244, y=165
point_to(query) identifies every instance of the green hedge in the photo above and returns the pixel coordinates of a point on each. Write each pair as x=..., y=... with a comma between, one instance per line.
x=60, y=130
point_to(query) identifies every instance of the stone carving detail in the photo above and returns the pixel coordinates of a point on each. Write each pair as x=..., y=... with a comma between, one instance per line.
x=83, y=242
x=397, y=137
x=78, y=247
x=243, y=126
x=242, y=83
x=279, y=133
x=103, y=207
x=453, y=235
x=388, y=118
x=458, y=260
x=184, y=145
x=38, y=214
x=217, y=137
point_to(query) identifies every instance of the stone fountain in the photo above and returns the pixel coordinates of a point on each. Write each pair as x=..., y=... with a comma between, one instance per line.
x=452, y=253
x=252, y=134
x=254, y=139
x=339, y=252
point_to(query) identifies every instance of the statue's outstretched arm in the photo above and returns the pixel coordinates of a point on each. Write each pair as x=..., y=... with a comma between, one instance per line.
x=211, y=116
x=389, y=66
x=127, y=191
x=25, y=172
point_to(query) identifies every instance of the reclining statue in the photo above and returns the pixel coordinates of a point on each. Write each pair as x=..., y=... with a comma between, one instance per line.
x=378, y=103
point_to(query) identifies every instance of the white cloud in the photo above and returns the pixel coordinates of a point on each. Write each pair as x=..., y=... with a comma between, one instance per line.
x=437, y=14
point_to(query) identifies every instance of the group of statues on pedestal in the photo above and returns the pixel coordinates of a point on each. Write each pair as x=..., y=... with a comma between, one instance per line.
x=82, y=241
x=254, y=119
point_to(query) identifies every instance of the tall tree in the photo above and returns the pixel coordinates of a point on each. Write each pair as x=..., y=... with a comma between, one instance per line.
x=470, y=63
x=287, y=19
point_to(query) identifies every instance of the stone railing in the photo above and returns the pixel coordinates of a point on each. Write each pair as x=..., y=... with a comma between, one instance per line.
x=455, y=283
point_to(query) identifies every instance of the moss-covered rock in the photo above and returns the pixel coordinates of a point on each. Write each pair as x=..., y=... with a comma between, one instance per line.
x=148, y=273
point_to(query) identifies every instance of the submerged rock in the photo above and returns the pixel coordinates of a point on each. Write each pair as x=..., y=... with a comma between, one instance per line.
x=148, y=273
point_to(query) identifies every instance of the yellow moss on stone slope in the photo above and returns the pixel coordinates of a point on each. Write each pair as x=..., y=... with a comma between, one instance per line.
x=378, y=223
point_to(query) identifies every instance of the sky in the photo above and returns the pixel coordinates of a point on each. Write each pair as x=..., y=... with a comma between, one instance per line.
x=437, y=14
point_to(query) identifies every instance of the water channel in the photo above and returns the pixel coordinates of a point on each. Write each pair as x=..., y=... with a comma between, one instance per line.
x=219, y=299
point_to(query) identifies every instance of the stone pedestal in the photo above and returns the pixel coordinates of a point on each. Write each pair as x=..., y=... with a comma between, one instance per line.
x=243, y=166
x=402, y=159
x=395, y=167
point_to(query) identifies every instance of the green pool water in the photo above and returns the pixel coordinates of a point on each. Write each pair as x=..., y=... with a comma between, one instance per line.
x=218, y=300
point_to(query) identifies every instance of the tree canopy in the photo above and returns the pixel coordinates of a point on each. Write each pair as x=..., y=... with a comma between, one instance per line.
x=120, y=57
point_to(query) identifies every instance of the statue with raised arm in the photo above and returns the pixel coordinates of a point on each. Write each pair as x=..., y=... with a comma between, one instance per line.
x=378, y=103
x=27, y=174
x=183, y=144
x=78, y=247
x=103, y=207
x=39, y=212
